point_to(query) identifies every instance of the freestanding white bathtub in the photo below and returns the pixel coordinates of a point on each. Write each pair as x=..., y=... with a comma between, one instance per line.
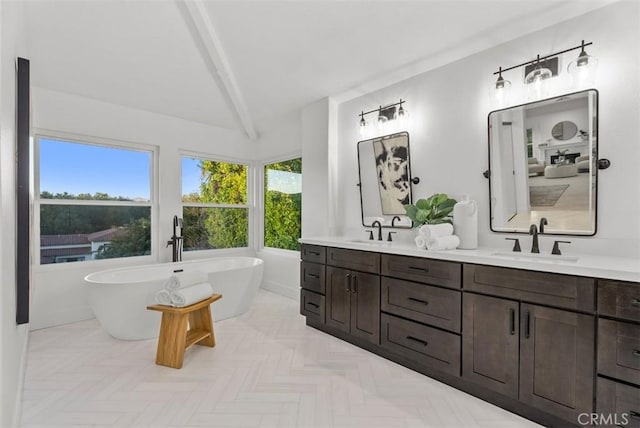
x=119, y=297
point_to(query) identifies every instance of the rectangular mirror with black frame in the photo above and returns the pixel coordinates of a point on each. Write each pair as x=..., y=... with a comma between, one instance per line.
x=385, y=180
x=543, y=165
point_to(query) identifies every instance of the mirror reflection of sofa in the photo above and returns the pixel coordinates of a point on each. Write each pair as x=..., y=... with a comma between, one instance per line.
x=582, y=163
x=535, y=167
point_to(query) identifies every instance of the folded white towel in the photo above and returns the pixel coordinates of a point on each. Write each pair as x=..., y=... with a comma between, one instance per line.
x=163, y=297
x=443, y=243
x=189, y=295
x=436, y=230
x=184, y=279
x=421, y=242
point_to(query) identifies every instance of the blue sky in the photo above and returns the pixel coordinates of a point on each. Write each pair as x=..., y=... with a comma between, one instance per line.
x=82, y=168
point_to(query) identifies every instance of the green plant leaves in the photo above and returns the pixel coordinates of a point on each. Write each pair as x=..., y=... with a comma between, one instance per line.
x=435, y=209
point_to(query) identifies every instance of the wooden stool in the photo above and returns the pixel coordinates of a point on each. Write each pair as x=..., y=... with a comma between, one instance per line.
x=174, y=336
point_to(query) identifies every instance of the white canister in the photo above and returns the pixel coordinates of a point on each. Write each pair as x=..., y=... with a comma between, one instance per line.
x=465, y=223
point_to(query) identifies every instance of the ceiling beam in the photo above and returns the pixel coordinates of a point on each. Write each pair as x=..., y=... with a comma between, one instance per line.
x=218, y=63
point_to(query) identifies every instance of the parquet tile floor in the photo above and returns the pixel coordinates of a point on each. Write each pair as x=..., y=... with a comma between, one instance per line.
x=268, y=369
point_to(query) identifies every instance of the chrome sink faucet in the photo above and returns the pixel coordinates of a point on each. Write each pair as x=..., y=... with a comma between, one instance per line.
x=377, y=223
x=533, y=230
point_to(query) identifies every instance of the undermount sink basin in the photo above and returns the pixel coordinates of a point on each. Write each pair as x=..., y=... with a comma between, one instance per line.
x=369, y=242
x=537, y=257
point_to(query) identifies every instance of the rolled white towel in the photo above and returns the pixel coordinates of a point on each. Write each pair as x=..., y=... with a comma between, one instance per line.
x=421, y=242
x=189, y=295
x=163, y=297
x=436, y=230
x=443, y=243
x=184, y=279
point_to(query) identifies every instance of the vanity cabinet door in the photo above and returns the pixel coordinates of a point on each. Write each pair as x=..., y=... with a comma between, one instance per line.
x=338, y=294
x=557, y=361
x=365, y=306
x=490, y=343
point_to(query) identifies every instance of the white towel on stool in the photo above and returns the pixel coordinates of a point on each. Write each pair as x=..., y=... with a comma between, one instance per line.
x=163, y=297
x=421, y=242
x=443, y=243
x=189, y=295
x=435, y=230
x=184, y=279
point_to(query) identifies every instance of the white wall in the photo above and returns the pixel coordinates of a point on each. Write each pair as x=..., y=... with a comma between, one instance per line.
x=59, y=294
x=448, y=130
x=13, y=341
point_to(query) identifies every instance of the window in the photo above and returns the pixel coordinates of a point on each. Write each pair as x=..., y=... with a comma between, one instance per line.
x=283, y=204
x=214, y=204
x=94, y=201
x=529, y=143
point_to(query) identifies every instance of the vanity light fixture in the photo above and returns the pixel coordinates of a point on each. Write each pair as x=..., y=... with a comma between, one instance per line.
x=582, y=71
x=537, y=81
x=500, y=90
x=392, y=113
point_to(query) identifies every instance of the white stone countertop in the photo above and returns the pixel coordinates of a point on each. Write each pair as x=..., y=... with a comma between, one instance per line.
x=589, y=265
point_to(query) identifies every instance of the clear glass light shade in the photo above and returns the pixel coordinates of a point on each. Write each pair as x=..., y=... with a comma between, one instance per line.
x=538, y=83
x=583, y=71
x=382, y=123
x=402, y=117
x=363, y=128
x=500, y=92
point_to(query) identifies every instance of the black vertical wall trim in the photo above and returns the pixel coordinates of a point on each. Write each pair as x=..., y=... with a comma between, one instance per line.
x=23, y=238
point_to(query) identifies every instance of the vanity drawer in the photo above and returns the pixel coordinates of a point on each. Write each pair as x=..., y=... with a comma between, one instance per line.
x=312, y=276
x=619, y=299
x=430, y=305
x=621, y=400
x=312, y=305
x=362, y=261
x=423, y=345
x=564, y=291
x=435, y=272
x=313, y=253
x=619, y=350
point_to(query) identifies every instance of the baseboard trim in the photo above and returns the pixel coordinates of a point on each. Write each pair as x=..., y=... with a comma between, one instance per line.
x=281, y=289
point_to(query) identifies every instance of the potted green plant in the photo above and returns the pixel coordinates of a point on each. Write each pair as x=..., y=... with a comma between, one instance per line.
x=435, y=209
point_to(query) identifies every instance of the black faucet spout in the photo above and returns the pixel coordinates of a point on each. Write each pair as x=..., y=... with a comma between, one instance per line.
x=533, y=231
x=393, y=220
x=543, y=223
x=176, y=240
x=379, y=225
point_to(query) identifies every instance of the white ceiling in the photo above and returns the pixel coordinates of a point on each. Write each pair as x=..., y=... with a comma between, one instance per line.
x=282, y=55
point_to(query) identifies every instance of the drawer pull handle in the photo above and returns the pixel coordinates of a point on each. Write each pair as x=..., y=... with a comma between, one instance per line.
x=415, y=339
x=636, y=303
x=512, y=321
x=421, y=269
x=313, y=276
x=413, y=299
x=636, y=352
x=315, y=305
x=315, y=253
x=634, y=415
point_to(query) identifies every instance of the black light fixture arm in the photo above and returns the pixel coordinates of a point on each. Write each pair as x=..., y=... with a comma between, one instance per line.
x=377, y=110
x=542, y=58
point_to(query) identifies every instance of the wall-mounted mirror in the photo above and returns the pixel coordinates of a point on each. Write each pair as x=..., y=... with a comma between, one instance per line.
x=385, y=180
x=543, y=163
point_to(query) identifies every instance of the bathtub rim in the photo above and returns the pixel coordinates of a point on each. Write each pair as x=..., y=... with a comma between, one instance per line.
x=92, y=282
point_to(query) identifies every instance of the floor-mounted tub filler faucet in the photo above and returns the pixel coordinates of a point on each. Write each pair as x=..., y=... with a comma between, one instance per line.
x=176, y=240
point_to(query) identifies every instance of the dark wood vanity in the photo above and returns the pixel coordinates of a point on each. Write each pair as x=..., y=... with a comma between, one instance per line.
x=550, y=347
